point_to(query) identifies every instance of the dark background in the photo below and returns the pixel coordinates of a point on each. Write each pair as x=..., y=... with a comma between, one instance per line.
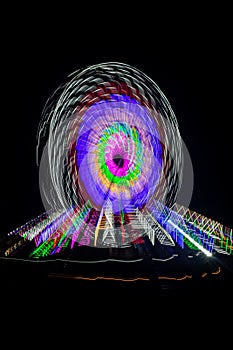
x=190, y=60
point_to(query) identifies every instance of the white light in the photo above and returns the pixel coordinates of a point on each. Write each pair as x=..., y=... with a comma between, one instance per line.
x=199, y=246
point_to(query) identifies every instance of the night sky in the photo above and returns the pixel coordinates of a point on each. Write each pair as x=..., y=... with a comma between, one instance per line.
x=192, y=67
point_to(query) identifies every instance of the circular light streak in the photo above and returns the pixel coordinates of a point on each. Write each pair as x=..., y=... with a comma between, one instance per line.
x=108, y=136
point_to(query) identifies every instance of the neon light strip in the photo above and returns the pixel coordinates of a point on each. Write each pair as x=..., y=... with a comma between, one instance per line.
x=98, y=226
x=102, y=278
